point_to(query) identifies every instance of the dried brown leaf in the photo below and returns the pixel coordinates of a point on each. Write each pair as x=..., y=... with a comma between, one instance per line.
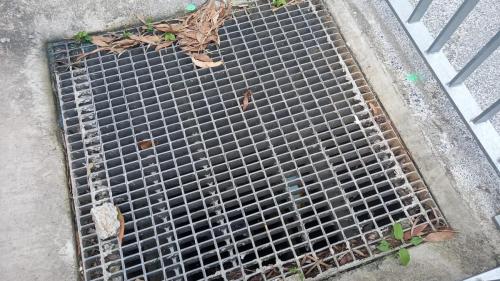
x=417, y=230
x=200, y=37
x=206, y=64
x=345, y=259
x=439, y=236
x=359, y=252
x=101, y=41
x=167, y=27
x=247, y=95
x=148, y=39
x=188, y=34
x=213, y=39
x=163, y=45
x=145, y=144
x=124, y=43
x=121, y=232
x=376, y=110
x=202, y=57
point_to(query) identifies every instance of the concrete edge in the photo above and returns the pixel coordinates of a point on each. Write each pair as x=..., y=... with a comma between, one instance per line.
x=385, y=87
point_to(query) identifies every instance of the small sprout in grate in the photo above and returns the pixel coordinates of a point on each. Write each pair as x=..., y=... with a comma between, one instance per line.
x=397, y=231
x=82, y=37
x=149, y=25
x=295, y=270
x=126, y=34
x=404, y=256
x=416, y=240
x=384, y=246
x=279, y=3
x=169, y=36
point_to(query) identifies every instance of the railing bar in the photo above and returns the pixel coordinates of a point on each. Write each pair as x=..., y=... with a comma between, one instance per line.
x=452, y=25
x=419, y=10
x=488, y=113
x=477, y=60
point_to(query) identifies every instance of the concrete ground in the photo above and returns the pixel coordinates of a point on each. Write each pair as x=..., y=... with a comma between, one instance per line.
x=36, y=233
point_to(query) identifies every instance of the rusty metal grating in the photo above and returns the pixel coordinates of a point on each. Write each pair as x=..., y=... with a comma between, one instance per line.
x=308, y=178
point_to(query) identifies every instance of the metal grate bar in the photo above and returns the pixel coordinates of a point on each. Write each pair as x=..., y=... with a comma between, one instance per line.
x=477, y=60
x=419, y=10
x=312, y=170
x=452, y=25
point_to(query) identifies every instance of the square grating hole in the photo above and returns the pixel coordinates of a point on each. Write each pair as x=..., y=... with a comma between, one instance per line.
x=311, y=176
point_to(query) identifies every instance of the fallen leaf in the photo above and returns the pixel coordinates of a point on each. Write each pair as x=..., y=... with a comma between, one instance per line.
x=200, y=37
x=145, y=144
x=121, y=232
x=124, y=43
x=163, y=45
x=205, y=64
x=101, y=41
x=416, y=231
x=246, y=99
x=202, y=57
x=439, y=236
x=148, y=39
x=345, y=259
x=359, y=252
x=167, y=27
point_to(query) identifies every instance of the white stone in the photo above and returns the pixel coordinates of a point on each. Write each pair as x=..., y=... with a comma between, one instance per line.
x=106, y=220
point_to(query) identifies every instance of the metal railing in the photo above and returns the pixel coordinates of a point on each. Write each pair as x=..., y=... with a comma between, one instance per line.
x=452, y=80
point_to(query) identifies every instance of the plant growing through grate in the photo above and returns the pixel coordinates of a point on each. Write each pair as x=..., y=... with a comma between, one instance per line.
x=308, y=179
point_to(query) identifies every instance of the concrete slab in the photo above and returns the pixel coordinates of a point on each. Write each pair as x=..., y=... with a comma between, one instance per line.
x=36, y=232
x=36, y=241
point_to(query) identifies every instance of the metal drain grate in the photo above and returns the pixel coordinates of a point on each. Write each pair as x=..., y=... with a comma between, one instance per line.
x=308, y=178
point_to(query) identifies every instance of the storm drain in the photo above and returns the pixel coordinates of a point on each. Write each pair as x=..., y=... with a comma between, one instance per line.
x=307, y=179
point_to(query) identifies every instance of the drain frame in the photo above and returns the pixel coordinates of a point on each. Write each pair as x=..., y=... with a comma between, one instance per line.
x=105, y=260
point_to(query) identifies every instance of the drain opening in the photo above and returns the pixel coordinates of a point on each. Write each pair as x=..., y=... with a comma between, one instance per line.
x=305, y=174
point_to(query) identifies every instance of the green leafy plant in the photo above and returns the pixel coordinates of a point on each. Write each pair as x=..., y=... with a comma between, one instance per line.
x=149, y=25
x=404, y=256
x=398, y=234
x=126, y=34
x=296, y=270
x=82, y=37
x=384, y=246
x=169, y=36
x=397, y=231
x=279, y=3
x=416, y=240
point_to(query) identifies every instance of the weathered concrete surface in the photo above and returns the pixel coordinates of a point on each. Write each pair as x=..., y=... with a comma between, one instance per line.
x=36, y=238
x=36, y=233
x=457, y=173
